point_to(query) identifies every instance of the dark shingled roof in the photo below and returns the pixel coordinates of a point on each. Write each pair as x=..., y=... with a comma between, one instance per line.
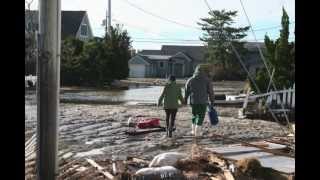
x=153, y=58
x=70, y=21
x=150, y=52
x=252, y=46
x=195, y=52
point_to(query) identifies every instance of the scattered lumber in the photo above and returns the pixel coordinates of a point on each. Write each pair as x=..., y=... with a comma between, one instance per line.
x=100, y=169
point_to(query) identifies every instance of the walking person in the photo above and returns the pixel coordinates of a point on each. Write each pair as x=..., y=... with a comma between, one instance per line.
x=170, y=97
x=199, y=89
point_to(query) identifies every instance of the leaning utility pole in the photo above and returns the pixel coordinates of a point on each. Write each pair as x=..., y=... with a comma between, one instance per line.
x=48, y=88
x=108, y=19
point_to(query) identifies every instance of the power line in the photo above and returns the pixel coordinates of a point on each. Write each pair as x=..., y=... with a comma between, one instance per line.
x=165, y=39
x=160, y=17
x=245, y=68
x=139, y=28
x=167, y=42
x=272, y=27
x=260, y=29
x=263, y=59
x=196, y=40
x=176, y=40
x=148, y=31
x=175, y=22
x=138, y=38
x=172, y=39
x=189, y=26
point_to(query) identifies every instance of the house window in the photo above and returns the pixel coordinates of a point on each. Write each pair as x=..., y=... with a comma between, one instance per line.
x=161, y=64
x=84, y=30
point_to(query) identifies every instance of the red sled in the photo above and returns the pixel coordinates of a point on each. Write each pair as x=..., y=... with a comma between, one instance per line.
x=148, y=123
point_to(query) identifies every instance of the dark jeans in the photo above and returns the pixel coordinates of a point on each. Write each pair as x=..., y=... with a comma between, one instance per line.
x=170, y=114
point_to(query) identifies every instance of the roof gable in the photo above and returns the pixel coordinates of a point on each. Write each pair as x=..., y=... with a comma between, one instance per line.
x=181, y=54
x=70, y=21
x=138, y=59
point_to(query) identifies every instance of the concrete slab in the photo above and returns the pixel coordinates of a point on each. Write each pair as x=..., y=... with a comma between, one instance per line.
x=237, y=152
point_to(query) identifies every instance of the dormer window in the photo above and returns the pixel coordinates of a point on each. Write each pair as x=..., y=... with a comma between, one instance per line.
x=84, y=30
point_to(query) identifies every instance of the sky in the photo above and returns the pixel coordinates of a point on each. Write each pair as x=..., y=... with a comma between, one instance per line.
x=152, y=23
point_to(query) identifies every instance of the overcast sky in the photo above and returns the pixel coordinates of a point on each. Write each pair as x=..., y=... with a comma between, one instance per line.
x=143, y=27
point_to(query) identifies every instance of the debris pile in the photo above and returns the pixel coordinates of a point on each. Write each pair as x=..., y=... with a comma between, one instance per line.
x=200, y=164
x=251, y=168
x=203, y=164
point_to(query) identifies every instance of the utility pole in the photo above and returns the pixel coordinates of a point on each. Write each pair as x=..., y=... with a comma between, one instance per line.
x=108, y=19
x=48, y=87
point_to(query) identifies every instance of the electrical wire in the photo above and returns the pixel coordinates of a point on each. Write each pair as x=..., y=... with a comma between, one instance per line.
x=160, y=17
x=247, y=71
x=264, y=61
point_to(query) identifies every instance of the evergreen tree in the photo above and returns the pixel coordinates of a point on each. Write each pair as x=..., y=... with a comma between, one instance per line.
x=280, y=55
x=96, y=69
x=96, y=62
x=119, y=44
x=218, y=34
x=30, y=54
x=71, y=51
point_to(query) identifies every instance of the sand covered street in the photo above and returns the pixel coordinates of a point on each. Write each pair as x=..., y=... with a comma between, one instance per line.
x=99, y=130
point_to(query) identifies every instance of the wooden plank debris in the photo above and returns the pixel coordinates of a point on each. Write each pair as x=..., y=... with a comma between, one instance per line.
x=100, y=169
x=260, y=144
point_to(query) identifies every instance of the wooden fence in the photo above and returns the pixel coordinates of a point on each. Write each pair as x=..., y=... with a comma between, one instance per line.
x=274, y=99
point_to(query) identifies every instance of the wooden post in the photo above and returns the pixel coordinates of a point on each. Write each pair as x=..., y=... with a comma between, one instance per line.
x=289, y=98
x=48, y=89
x=293, y=100
x=284, y=98
x=278, y=99
x=269, y=99
x=242, y=111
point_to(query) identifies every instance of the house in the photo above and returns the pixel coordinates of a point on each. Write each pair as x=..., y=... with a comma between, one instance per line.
x=177, y=60
x=182, y=60
x=73, y=24
x=253, y=59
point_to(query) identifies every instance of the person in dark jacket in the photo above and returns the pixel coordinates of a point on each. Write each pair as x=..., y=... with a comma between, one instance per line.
x=170, y=96
x=199, y=89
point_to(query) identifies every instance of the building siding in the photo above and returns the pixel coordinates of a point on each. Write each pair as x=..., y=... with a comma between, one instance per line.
x=89, y=36
x=190, y=57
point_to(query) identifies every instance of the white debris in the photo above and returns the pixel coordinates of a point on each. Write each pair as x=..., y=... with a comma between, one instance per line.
x=231, y=168
x=166, y=159
x=81, y=169
x=131, y=122
x=67, y=155
x=167, y=171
